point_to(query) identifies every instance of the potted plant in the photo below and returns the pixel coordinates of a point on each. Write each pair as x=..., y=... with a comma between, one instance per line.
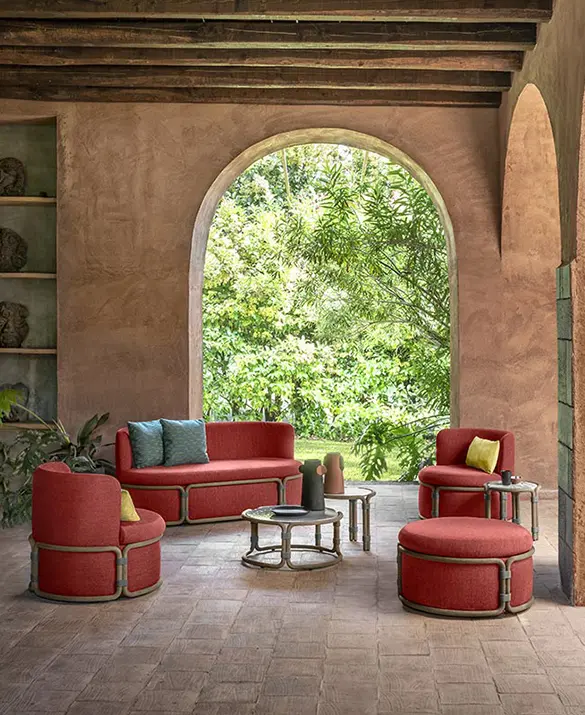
x=30, y=448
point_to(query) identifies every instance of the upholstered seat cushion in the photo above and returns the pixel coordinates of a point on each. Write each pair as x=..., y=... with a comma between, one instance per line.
x=465, y=537
x=219, y=470
x=455, y=475
x=150, y=526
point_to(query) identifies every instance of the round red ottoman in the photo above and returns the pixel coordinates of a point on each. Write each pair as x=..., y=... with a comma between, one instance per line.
x=463, y=566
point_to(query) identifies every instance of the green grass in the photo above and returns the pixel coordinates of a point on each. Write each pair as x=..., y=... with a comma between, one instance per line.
x=318, y=448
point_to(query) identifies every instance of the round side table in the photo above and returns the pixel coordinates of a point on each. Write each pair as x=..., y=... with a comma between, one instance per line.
x=265, y=515
x=515, y=489
x=353, y=495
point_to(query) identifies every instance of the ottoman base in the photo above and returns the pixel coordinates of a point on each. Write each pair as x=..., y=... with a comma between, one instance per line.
x=505, y=583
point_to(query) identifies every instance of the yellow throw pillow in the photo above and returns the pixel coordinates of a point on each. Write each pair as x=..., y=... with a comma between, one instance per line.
x=483, y=454
x=128, y=512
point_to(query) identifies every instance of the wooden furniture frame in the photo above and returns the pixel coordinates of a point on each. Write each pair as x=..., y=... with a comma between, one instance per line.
x=505, y=583
x=121, y=570
x=184, y=492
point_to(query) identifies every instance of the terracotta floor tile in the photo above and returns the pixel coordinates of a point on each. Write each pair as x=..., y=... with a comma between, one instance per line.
x=326, y=708
x=230, y=692
x=77, y=663
x=40, y=698
x=98, y=708
x=136, y=656
x=224, y=709
x=113, y=691
x=468, y=694
x=573, y=696
x=409, y=680
x=173, y=701
x=472, y=710
x=343, y=691
x=120, y=672
x=285, y=667
x=70, y=680
x=521, y=683
x=269, y=705
x=299, y=650
x=188, y=661
x=406, y=702
x=348, y=673
x=458, y=656
x=532, y=704
x=196, y=646
x=404, y=646
x=462, y=674
x=238, y=672
x=292, y=686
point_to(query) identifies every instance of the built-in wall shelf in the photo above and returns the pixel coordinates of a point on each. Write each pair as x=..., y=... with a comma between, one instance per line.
x=28, y=201
x=28, y=351
x=33, y=217
x=29, y=276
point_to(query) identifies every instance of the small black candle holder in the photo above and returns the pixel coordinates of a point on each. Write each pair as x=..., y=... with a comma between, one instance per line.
x=506, y=477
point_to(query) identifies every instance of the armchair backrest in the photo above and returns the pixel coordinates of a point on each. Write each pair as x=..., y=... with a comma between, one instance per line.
x=452, y=445
x=228, y=440
x=71, y=509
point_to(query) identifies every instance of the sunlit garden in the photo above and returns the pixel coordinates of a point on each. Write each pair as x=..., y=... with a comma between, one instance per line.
x=326, y=304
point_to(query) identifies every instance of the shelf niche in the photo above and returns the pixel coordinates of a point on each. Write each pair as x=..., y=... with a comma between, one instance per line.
x=33, y=217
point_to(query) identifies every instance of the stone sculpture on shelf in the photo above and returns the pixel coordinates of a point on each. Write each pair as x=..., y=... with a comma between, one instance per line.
x=13, y=325
x=13, y=251
x=12, y=177
x=16, y=414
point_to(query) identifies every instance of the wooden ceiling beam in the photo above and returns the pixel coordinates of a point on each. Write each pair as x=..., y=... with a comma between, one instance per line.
x=243, y=78
x=350, y=10
x=340, y=59
x=277, y=35
x=255, y=96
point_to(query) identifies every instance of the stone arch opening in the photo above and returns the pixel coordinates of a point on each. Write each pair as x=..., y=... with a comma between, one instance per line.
x=228, y=175
x=531, y=249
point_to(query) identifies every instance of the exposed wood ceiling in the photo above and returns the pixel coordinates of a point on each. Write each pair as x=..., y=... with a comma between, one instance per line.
x=369, y=52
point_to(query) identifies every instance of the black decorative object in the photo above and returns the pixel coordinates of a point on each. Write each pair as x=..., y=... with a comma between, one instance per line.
x=16, y=414
x=13, y=251
x=13, y=325
x=12, y=177
x=313, y=497
x=506, y=477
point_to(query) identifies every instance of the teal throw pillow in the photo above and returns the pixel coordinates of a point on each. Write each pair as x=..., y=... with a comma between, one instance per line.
x=184, y=442
x=146, y=439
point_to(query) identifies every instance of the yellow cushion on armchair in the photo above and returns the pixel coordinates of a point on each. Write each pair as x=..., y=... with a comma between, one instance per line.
x=128, y=511
x=483, y=454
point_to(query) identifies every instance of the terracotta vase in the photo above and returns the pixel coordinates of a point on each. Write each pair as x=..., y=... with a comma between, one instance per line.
x=334, y=477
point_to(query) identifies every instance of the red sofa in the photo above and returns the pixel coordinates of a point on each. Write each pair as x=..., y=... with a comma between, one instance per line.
x=250, y=464
x=451, y=488
x=81, y=551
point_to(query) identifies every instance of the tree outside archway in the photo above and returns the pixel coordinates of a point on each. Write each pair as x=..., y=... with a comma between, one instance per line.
x=327, y=303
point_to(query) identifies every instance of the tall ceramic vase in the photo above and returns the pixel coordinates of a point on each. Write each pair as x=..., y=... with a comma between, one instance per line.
x=334, y=476
x=313, y=496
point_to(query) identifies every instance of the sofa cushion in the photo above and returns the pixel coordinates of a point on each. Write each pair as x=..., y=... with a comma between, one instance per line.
x=220, y=470
x=146, y=439
x=150, y=526
x=184, y=442
x=454, y=475
x=465, y=537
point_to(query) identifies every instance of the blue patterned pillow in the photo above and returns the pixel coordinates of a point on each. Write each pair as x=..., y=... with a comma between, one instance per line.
x=184, y=442
x=146, y=439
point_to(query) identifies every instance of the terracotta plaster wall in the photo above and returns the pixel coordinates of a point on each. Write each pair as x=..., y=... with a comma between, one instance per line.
x=131, y=179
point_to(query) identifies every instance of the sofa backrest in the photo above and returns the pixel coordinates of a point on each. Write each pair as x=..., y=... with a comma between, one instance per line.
x=246, y=440
x=452, y=445
x=228, y=440
x=74, y=509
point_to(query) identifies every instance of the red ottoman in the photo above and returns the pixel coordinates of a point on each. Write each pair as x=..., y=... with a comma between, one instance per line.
x=462, y=566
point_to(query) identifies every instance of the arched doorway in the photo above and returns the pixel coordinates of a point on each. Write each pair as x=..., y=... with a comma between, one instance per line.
x=240, y=164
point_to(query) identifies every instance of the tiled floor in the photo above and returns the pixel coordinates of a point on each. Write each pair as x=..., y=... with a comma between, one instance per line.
x=221, y=639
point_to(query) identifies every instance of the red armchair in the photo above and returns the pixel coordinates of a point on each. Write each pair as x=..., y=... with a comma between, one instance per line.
x=81, y=551
x=451, y=488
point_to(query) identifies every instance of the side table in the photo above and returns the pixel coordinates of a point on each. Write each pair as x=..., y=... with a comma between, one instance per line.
x=265, y=515
x=353, y=495
x=515, y=489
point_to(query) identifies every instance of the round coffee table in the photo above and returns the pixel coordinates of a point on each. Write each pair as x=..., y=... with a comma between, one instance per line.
x=353, y=495
x=265, y=515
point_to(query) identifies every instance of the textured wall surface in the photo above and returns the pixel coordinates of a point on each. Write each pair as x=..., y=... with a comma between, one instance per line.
x=557, y=68
x=130, y=181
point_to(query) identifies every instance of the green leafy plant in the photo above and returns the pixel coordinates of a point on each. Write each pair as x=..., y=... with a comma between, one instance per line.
x=30, y=448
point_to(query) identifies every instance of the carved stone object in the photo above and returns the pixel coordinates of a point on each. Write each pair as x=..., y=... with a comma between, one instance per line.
x=12, y=177
x=13, y=251
x=334, y=478
x=13, y=325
